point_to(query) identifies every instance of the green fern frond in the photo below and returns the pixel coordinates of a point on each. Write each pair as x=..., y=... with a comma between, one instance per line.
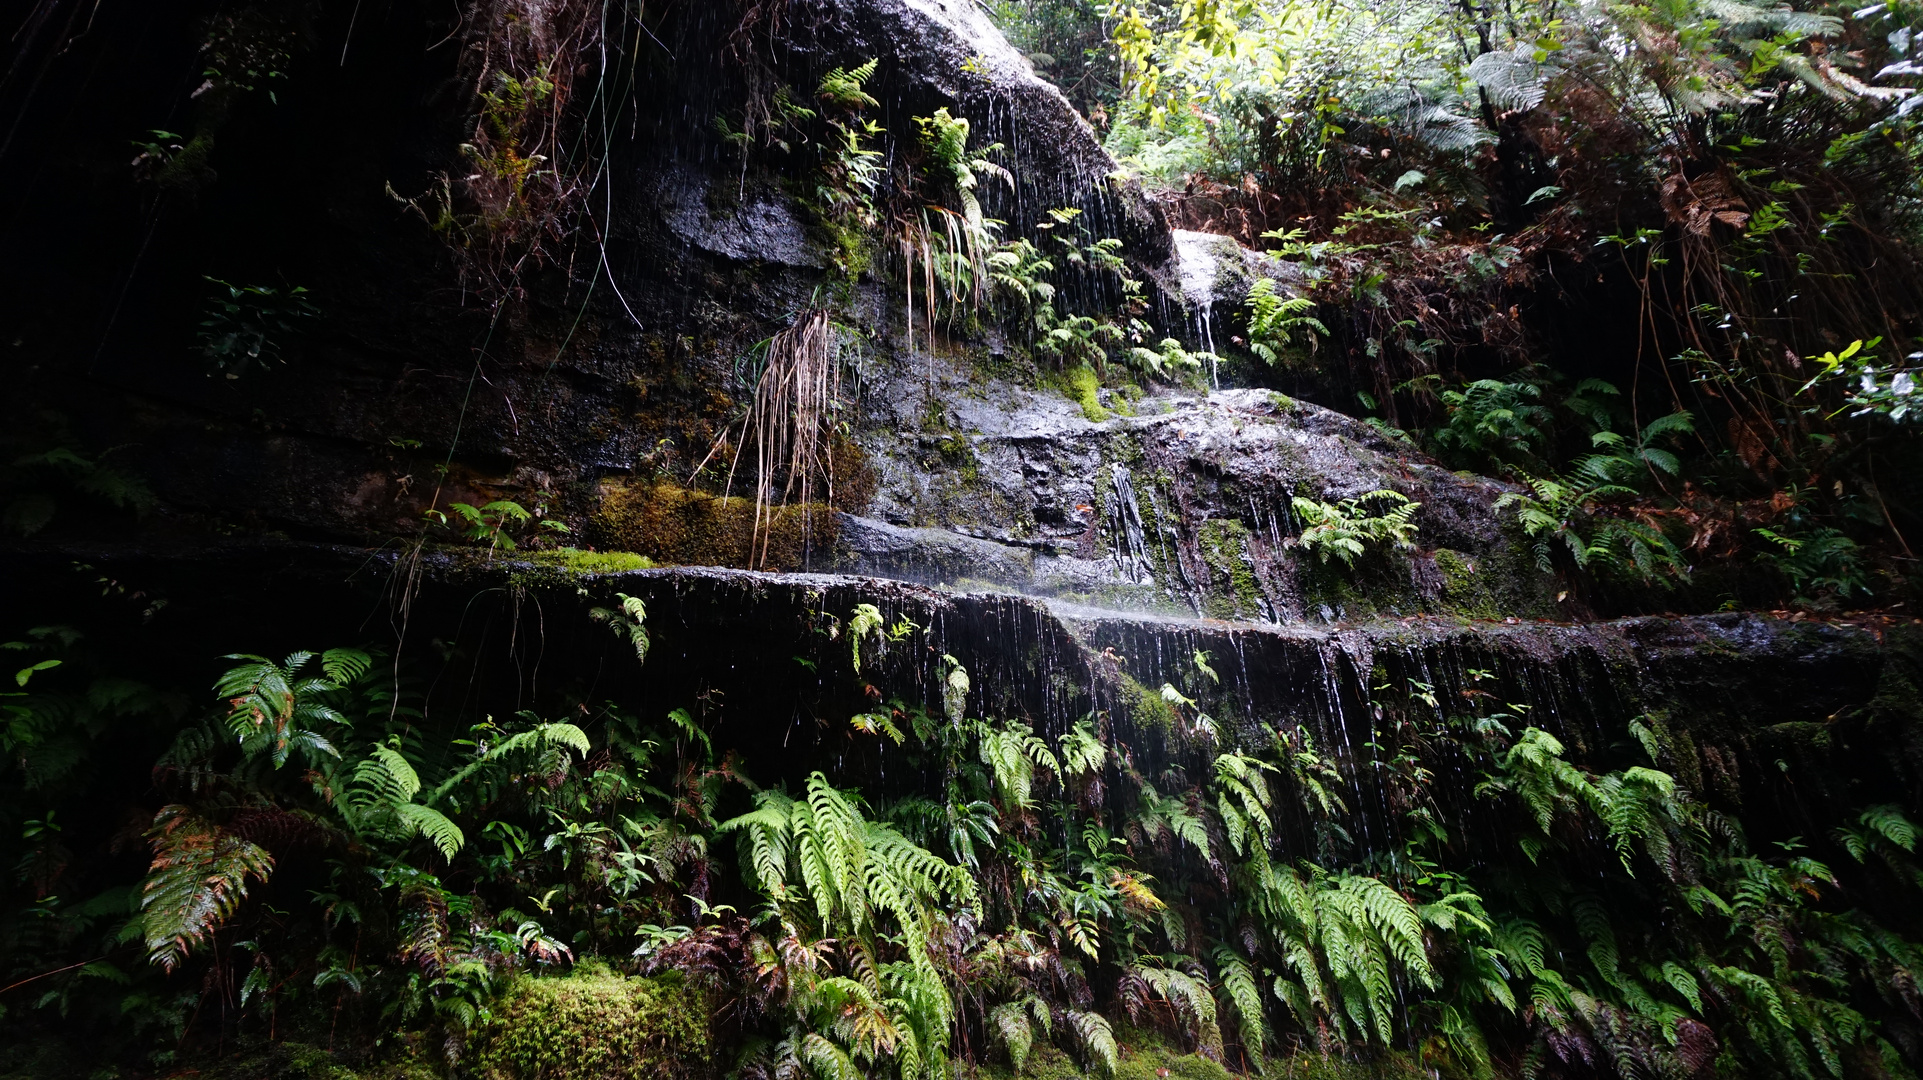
x=844, y=86
x=1238, y=982
x=1083, y=751
x=1890, y=822
x=1684, y=983
x=1096, y=1038
x=537, y=738
x=344, y=666
x=826, y=1060
x=195, y=883
x=1009, y=1024
x=432, y=824
x=1394, y=918
x=1013, y=753
x=628, y=622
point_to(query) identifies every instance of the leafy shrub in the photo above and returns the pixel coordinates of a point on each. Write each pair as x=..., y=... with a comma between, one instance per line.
x=247, y=323
x=1492, y=420
x=594, y=1025
x=1822, y=559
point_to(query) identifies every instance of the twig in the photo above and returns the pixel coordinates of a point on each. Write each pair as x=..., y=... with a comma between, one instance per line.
x=55, y=971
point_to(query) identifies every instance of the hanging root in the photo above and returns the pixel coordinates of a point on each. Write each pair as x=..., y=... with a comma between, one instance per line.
x=790, y=421
x=520, y=194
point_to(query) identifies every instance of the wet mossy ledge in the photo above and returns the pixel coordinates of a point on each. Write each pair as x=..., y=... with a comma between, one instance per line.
x=671, y=524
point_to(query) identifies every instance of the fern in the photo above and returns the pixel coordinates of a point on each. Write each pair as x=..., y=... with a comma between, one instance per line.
x=1096, y=1038
x=1238, y=982
x=821, y=849
x=1346, y=529
x=381, y=802
x=1167, y=819
x=1013, y=752
x=864, y=623
x=540, y=737
x=272, y=708
x=1272, y=317
x=1083, y=751
x=432, y=824
x=843, y=86
x=1888, y=821
x=826, y=1060
x=1243, y=799
x=1342, y=937
x=1513, y=80
x=1010, y=1027
x=954, y=689
x=628, y=622
x=196, y=882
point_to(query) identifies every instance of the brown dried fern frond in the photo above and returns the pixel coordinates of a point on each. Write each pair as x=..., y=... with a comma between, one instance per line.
x=196, y=882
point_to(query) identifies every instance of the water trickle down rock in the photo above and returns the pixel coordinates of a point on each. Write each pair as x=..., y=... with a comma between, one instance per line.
x=1182, y=507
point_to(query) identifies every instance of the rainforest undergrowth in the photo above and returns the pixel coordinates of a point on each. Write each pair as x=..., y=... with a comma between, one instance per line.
x=1459, y=891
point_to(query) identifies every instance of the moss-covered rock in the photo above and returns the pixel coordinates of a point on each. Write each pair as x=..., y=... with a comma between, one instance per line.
x=594, y=1025
x=576, y=561
x=1232, y=593
x=693, y=528
x=1466, y=591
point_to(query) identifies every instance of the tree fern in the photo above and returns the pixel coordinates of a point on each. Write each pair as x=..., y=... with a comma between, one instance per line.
x=1513, y=80
x=196, y=882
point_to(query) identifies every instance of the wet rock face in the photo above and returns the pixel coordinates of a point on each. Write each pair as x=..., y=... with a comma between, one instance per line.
x=761, y=229
x=1183, y=505
x=630, y=337
x=768, y=659
x=947, y=53
x=1216, y=273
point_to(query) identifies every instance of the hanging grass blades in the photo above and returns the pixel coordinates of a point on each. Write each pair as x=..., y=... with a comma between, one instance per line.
x=790, y=422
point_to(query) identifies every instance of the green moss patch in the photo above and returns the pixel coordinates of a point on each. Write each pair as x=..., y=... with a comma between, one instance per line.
x=1466, y=590
x=1232, y=592
x=1083, y=389
x=672, y=524
x=1146, y=707
x=594, y=1025
x=591, y=562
